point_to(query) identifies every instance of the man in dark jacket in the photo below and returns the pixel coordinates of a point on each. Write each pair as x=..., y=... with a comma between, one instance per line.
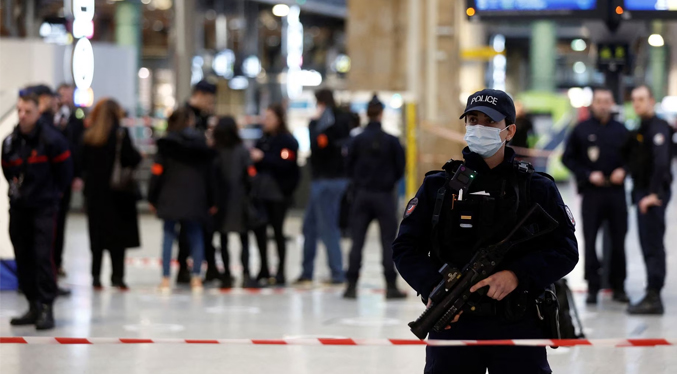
x=329, y=135
x=71, y=127
x=37, y=164
x=594, y=154
x=649, y=156
x=444, y=225
x=201, y=104
x=375, y=165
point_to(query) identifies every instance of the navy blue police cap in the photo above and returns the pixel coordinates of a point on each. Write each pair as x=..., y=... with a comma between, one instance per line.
x=494, y=103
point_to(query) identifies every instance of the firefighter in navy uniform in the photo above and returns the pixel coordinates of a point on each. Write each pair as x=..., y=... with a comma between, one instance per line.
x=437, y=231
x=37, y=164
x=594, y=154
x=649, y=156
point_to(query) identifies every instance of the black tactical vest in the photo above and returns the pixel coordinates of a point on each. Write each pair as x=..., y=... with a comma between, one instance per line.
x=489, y=210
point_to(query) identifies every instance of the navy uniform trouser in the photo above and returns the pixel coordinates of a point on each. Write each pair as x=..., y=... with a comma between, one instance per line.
x=366, y=207
x=498, y=359
x=602, y=205
x=32, y=234
x=651, y=227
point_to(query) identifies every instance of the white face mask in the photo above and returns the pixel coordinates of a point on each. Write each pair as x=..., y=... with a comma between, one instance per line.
x=483, y=140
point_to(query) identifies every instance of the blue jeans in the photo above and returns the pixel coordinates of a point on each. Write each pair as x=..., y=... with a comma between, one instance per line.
x=193, y=232
x=322, y=221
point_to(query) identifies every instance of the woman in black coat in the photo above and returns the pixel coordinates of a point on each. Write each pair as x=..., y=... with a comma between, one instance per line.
x=181, y=191
x=233, y=167
x=112, y=215
x=276, y=180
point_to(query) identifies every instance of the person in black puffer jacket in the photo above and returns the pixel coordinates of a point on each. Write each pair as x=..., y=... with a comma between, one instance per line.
x=277, y=177
x=181, y=190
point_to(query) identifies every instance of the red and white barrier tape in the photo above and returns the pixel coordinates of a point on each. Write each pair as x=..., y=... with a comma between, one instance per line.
x=618, y=343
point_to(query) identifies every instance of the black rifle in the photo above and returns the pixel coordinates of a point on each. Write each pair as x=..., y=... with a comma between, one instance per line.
x=452, y=293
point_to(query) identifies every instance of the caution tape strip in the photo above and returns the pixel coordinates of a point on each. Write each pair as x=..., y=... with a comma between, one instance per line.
x=618, y=343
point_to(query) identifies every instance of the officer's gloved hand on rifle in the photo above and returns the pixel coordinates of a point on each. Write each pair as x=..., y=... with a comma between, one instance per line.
x=500, y=285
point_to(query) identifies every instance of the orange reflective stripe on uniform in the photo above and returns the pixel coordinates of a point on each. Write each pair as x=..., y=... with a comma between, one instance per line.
x=62, y=157
x=322, y=141
x=157, y=169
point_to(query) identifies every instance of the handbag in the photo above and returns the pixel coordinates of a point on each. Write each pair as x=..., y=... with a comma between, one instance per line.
x=122, y=178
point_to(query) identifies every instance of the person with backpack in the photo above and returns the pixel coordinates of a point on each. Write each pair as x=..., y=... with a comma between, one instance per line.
x=471, y=205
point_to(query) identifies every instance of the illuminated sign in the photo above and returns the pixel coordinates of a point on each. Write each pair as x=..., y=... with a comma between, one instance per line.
x=294, y=52
x=83, y=54
x=651, y=5
x=650, y=9
x=536, y=9
x=536, y=4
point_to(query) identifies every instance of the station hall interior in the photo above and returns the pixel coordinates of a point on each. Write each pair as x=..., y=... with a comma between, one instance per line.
x=236, y=66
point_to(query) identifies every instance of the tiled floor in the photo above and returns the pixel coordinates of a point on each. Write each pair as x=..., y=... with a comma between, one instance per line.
x=319, y=312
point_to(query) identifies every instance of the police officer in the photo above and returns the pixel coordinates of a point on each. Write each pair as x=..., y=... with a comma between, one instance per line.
x=47, y=103
x=37, y=164
x=594, y=154
x=484, y=215
x=375, y=165
x=649, y=157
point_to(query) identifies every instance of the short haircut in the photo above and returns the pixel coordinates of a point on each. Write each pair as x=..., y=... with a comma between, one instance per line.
x=648, y=89
x=326, y=97
x=29, y=96
x=596, y=90
x=374, y=108
x=64, y=85
x=204, y=87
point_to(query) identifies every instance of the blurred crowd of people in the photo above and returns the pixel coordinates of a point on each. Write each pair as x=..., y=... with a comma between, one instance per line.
x=204, y=182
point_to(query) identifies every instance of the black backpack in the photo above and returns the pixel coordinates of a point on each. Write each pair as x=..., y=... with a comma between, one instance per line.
x=568, y=312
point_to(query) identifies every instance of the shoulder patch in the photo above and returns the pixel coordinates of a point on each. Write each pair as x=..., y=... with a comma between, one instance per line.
x=570, y=215
x=659, y=139
x=411, y=207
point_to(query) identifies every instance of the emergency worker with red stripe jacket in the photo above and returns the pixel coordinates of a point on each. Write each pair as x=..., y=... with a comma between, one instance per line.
x=37, y=164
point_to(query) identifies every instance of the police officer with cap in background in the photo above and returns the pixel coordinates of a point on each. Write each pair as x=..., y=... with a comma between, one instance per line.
x=37, y=164
x=649, y=156
x=444, y=228
x=375, y=165
x=594, y=154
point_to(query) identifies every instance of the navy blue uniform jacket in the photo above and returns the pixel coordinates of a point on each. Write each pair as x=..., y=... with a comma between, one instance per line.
x=550, y=257
x=44, y=160
x=595, y=147
x=375, y=160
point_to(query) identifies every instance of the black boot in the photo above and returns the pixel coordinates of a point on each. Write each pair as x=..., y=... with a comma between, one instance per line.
x=183, y=277
x=45, y=319
x=212, y=274
x=351, y=291
x=393, y=293
x=119, y=284
x=651, y=304
x=27, y=318
x=620, y=296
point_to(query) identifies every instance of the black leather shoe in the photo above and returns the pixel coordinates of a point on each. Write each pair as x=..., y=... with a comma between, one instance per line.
x=620, y=296
x=63, y=291
x=183, y=277
x=27, y=318
x=392, y=293
x=226, y=282
x=45, y=319
x=651, y=304
x=351, y=291
x=280, y=280
x=96, y=284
